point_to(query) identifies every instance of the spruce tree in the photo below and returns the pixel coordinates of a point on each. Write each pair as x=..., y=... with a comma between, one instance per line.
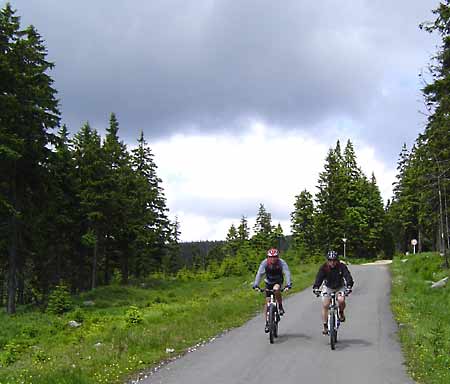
x=331, y=202
x=28, y=113
x=302, y=223
x=154, y=231
x=263, y=230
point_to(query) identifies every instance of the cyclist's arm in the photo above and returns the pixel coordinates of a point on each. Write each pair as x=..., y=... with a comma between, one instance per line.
x=347, y=276
x=319, y=278
x=260, y=273
x=286, y=272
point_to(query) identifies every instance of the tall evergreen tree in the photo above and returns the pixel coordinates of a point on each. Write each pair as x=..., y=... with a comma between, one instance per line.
x=154, y=230
x=263, y=230
x=91, y=171
x=331, y=202
x=302, y=223
x=29, y=111
x=120, y=202
x=243, y=230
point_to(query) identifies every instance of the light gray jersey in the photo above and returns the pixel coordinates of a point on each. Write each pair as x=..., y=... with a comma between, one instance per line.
x=262, y=271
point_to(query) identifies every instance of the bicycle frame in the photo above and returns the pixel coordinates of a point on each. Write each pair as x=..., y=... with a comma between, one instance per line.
x=272, y=314
x=333, y=318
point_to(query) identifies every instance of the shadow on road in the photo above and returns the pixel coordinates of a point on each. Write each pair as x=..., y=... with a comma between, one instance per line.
x=346, y=343
x=289, y=336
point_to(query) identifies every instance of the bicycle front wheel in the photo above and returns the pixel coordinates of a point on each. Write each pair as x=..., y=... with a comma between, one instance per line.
x=332, y=330
x=272, y=324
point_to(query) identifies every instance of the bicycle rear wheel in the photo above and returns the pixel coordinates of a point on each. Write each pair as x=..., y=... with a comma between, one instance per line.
x=272, y=324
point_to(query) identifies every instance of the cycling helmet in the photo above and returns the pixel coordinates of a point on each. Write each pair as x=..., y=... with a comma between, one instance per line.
x=332, y=255
x=272, y=252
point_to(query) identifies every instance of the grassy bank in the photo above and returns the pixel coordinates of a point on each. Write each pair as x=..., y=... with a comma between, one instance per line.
x=423, y=315
x=129, y=329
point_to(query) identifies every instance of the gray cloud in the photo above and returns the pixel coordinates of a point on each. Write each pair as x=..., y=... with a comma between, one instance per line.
x=172, y=65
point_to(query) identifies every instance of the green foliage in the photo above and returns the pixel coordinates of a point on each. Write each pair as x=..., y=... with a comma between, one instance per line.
x=302, y=223
x=133, y=316
x=78, y=315
x=423, y=314
x=108, y=349
x=11, y=353
x=59, y=300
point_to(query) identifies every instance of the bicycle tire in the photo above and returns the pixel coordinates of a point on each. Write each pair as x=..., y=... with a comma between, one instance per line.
x=277, y=319
x=332, y=330
x=335, y=329
x=272, y=324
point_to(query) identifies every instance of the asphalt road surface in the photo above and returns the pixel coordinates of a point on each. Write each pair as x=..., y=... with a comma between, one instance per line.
x=367, y=350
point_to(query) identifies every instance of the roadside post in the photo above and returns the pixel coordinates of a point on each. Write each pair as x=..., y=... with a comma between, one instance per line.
x=345, y=241
x=414, y=243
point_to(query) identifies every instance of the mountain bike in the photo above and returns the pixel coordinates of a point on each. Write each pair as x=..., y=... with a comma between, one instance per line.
x=272, y=315
x=333, y=317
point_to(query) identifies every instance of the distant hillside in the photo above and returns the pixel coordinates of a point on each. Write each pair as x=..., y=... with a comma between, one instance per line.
x=211, y=249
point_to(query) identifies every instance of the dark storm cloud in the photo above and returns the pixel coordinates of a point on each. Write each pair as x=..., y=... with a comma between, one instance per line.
x=166, y=66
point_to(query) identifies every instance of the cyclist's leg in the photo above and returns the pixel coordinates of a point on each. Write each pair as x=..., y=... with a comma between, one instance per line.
x=277, y=289
x=341, y=304
x=266, y=317
x=325, y=303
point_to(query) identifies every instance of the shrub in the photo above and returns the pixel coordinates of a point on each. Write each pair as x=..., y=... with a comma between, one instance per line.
x=11, y=354
x=30, y=331
x=133, y=316
x=78, y=315
x=59, y=301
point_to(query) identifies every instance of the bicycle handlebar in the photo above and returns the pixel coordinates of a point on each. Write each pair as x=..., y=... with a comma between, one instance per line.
x=346, y=293
x=263, y=290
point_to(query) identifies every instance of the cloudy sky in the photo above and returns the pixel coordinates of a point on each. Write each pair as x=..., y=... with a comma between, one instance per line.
x=241, y=100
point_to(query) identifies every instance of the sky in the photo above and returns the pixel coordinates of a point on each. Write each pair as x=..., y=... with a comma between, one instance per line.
x=240, y=101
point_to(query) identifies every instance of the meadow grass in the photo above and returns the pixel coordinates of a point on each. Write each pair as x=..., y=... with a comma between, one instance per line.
x=127, y=330
x=423, y=315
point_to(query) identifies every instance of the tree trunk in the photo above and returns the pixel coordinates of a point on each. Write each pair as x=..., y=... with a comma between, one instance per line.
x=419, y=241
x=107, y=271
x=12, y=267
x=124, y=268
x=2, y=287
x=94, y=264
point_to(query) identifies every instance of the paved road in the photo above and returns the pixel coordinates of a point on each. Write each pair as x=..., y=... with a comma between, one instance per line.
x=367, y=352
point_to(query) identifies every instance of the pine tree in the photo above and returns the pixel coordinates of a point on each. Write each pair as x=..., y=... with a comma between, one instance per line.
x=331, y=202
x=120, y=203
x=91, y=171
x=263, y=230
x=243, y=230
x=154, y=230
x=302, y=223
x=28, y=110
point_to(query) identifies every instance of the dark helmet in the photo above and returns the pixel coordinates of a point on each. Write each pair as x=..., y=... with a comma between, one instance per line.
x=332, y=255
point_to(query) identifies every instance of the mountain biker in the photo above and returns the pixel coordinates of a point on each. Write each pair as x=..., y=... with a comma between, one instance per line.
x=273, y=267
x=335, y=277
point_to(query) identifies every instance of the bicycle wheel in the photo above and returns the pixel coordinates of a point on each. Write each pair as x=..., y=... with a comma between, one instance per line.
x=335, y=328
x=332, y=329
x=272, y=323
x=275, y=328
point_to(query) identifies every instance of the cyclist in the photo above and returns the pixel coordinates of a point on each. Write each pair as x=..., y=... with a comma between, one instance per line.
x=335, y=277
x=274, y=268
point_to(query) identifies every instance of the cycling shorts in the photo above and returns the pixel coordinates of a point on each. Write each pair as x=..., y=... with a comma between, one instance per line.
x=325, y=290
x=270, y=286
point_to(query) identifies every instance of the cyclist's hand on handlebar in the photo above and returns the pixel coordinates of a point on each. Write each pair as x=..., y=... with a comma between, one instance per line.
x=348, y=290
x=316, y=291
x=255, y=287
x=287, y=288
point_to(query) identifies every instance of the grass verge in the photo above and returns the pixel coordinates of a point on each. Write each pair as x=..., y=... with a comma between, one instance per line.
x=423, y=315
x=128, y=330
